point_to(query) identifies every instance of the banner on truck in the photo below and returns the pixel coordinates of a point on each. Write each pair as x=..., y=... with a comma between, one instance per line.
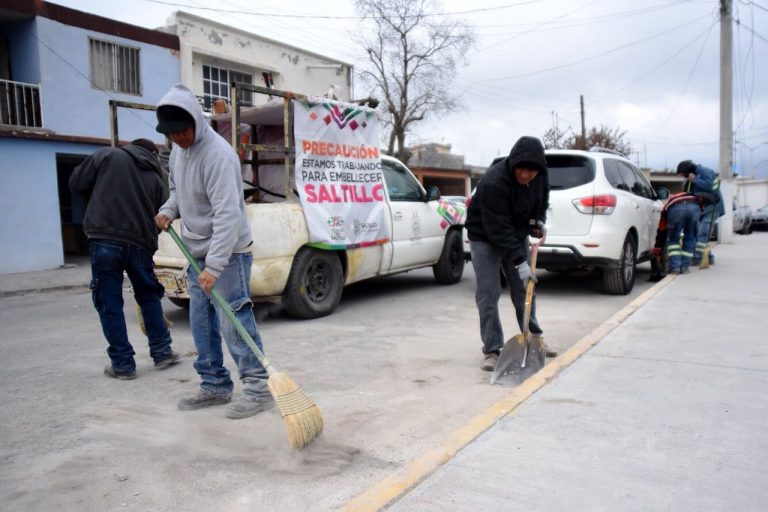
x=338, y=173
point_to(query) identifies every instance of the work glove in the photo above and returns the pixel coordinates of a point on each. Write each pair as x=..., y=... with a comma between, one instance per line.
x=539, y=230
x=525, y=273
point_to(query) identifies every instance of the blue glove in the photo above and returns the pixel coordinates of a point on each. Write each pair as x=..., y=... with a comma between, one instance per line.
x=525, y=273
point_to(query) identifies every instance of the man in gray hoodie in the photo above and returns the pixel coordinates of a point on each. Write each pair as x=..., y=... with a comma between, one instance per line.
x=206, y=193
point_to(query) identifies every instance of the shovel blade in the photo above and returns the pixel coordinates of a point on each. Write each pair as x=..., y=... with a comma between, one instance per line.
x=513, y=367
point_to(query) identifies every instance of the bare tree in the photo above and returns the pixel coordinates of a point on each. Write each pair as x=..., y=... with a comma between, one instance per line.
x=604, y=137
x=414, y=53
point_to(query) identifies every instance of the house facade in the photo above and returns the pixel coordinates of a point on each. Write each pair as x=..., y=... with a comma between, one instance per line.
x=59, y=68
x=213, y=55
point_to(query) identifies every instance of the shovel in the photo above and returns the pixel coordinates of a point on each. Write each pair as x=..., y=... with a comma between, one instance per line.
x=523, y=355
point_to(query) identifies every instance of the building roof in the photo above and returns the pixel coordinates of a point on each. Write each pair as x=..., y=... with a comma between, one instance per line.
x=20, y=9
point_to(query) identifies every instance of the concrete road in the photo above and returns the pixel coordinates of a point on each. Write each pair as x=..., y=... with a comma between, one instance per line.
x=395, y=369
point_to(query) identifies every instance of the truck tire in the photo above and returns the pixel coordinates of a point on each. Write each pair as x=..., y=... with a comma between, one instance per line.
x=314, y=284
x=450, y=267
x=182, y=303
x=620, y=280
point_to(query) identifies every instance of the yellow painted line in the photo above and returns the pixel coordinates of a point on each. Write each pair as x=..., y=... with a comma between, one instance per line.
x=405, y=479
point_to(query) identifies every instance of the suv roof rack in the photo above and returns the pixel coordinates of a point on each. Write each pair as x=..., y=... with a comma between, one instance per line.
x=598, y=149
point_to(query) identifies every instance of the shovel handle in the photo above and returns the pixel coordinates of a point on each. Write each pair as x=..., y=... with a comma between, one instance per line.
x=225, y=307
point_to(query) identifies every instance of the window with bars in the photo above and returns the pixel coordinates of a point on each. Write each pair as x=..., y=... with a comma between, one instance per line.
x=115, y=67
x=216, y=82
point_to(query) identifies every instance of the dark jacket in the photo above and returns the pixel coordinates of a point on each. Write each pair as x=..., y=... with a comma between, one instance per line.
x=502, y=212
x=124, y=188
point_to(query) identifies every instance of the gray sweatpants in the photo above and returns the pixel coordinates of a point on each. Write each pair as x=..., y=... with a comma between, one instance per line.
x=488, y=261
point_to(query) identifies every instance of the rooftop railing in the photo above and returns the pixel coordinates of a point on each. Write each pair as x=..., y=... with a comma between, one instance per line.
x=20, y=104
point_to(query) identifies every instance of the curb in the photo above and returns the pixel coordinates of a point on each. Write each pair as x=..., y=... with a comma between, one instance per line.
x=29, y=291
x=399, y=483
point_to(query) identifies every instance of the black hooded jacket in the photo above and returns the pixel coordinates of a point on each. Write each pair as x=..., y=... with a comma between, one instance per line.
x=502, y=211
x=124, y=188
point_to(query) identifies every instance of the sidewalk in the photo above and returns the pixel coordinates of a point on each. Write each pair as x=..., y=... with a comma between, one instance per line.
x=76, y=274
x=668, y=411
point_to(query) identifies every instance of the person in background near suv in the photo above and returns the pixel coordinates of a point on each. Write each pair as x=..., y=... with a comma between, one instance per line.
x=704, y=183
x=682, y=217
x=124, y=187
x=206, y=191
x=509, y=204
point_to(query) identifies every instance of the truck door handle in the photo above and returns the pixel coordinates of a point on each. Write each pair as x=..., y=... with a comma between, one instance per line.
x=398, y=215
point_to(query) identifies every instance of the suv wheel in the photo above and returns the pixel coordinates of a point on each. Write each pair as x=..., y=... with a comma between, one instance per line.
x=620, y=280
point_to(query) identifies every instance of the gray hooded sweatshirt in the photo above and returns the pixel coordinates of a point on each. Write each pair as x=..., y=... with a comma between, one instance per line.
x=206, y=190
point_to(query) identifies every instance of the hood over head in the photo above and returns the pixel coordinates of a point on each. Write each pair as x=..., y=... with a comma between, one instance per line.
x=144, y=153
x=527, y=152
x=177, y=109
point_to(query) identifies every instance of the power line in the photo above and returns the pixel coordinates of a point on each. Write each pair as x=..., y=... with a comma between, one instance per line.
x=324, y=16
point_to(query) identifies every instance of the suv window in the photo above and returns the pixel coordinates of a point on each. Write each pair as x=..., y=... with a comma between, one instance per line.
x=643, y=187
x=612, y=173
x=568, y=171
x=400, y=184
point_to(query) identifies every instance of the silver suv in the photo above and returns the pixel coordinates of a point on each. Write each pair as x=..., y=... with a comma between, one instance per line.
x=603, y=214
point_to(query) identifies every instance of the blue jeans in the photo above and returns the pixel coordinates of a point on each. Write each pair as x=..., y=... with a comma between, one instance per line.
x=682, y=218
x=489, y=261
x=109, y=259
x=705, y=230
x=208, y=323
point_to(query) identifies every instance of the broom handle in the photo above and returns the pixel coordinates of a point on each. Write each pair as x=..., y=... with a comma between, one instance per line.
x=223, y=305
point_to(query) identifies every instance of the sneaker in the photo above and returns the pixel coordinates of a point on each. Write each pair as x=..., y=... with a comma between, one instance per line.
x=203, y=399
x=245, y=408
x=489, y=361
x=110, y=372
x=549, y=352
x=685, y=270
x=168, y=361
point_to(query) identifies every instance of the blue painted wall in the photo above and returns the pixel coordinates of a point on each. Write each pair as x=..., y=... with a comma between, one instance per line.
x=72, y=107
x=30, y=226
x=56, y=56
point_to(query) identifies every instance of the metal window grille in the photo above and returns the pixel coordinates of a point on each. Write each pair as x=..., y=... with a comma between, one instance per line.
x=115, y=67
x=216, y=82
x=20, y=104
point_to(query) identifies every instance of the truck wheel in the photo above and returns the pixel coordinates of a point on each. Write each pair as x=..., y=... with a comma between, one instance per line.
x=450, y=266
x=182, y=303
x=314, y=284
x=620, y=280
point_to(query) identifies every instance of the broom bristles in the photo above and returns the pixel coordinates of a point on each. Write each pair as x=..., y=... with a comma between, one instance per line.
x=301, y=415
x=705, y=258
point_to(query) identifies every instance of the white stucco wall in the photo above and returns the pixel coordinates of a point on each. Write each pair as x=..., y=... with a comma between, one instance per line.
x=293, y=69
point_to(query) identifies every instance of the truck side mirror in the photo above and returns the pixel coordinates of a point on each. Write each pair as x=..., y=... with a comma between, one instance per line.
x=433, y=193
x=662, y=193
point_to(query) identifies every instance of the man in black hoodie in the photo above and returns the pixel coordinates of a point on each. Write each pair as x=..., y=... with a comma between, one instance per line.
x=509, y=204
x=124, y=188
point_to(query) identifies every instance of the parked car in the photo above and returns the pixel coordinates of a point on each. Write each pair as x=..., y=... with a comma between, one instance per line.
x=742, y=218
x=603, y=214
x=760, y=218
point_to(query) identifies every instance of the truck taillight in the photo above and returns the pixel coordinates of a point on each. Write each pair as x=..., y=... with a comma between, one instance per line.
x=603, y=204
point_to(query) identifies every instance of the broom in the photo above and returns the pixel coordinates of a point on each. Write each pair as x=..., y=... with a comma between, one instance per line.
x=301, y=416
x=705, y=252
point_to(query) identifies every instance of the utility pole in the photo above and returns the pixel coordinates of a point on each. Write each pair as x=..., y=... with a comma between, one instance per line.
x=583, y=124
x=726, y=120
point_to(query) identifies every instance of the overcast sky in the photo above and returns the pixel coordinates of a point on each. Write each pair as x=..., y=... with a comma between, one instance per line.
x=649, y=67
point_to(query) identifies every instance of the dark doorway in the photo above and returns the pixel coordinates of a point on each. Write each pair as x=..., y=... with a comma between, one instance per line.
x=71, y=207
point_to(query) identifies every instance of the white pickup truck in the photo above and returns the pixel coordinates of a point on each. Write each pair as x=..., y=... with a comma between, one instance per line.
x=423, y=230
